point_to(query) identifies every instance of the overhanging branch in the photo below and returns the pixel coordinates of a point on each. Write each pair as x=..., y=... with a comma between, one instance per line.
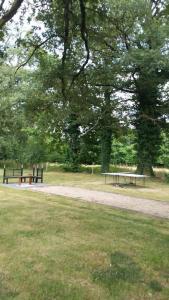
x=1, y=5
x=66, y=43
x=8, y=15
x=84, y=35
x=36, y=47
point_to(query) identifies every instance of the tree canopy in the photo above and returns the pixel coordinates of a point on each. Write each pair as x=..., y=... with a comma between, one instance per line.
x=84, y=75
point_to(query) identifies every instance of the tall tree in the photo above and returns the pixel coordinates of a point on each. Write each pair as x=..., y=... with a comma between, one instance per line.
x=130, y=41
x=142, y=54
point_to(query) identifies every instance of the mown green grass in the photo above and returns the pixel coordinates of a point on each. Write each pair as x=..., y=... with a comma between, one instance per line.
x=58, y=248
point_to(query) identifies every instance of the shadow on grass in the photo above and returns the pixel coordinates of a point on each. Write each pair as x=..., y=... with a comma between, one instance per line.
x=155, y=286
x=122, y=268
x=129, y=185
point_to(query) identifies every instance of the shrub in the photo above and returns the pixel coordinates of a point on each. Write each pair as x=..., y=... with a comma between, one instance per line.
x=166, y=176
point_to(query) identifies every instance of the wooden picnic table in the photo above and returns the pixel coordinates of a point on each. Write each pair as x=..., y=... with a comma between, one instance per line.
x=24, y=177
x=131, y=176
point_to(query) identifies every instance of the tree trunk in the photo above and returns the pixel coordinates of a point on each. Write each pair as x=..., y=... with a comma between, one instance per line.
x=106, y=133
x=106, y=142
x=147, y=124
x=74, y=142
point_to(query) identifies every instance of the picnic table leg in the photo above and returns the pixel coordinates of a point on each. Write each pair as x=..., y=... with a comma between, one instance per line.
x=105, y=178
x=30, y=180
x=20, y=180
x=117, y=179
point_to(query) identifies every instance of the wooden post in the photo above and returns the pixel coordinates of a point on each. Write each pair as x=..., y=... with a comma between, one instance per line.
x=92, y=168
x=37, y=170
x=30, y=179
x=4, y=174
x=33, y=173
x=42, y=174
x=21, y=170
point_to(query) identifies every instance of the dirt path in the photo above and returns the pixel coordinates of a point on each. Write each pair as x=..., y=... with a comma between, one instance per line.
x=150, y=207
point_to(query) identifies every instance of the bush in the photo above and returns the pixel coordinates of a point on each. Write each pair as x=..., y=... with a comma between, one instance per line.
x=96, y=169
x=166, y=176
x=9, y=163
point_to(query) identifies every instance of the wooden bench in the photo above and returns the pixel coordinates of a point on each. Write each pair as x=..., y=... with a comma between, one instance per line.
x=12, y=173
x=37, y=175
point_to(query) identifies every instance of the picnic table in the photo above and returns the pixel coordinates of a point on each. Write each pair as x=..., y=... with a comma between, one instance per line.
x=132, y=177
x=22, y=178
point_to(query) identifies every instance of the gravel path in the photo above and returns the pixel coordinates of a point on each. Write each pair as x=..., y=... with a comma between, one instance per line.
x=149, y=207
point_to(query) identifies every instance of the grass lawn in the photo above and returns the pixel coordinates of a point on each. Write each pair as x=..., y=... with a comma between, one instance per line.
x=57, y=248
x=155, y=189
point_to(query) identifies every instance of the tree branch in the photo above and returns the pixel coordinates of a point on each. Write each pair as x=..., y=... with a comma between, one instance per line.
x=118, y=88
x=66, y=42
x=1, y=5
x=36, y=47
x=156, y=5
x=110, y=46
x=84, y=36
x=8, y=15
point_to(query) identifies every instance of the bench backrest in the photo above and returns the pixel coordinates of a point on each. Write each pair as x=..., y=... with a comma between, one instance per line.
x=38, y=172
x=13, y=172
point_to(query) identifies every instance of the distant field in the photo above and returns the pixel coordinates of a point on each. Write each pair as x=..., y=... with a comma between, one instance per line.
x=57, y=248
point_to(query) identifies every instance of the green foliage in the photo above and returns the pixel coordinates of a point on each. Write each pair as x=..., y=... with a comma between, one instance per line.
x=164, y=151
x=166, y=176
x=35, y=151
x=90, y=148
x=123, y=150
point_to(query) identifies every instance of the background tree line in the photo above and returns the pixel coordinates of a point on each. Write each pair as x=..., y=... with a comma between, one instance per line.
x=90, y=86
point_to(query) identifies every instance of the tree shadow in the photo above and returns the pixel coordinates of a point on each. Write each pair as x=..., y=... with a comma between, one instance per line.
x=124, y=269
